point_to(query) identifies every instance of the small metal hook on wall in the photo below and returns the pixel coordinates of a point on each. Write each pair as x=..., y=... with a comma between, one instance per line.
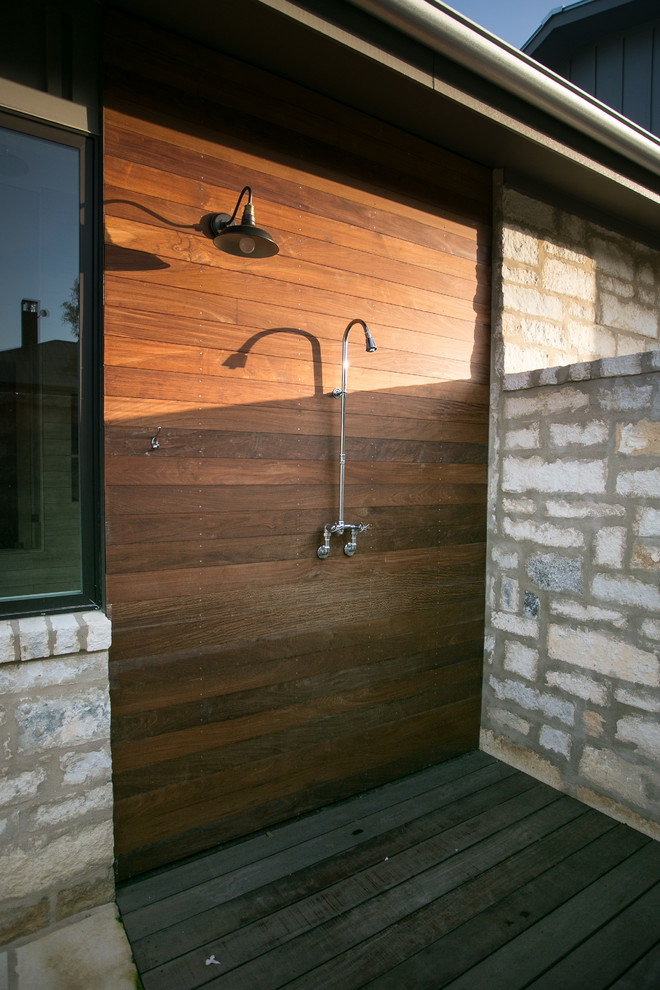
x=154, y=440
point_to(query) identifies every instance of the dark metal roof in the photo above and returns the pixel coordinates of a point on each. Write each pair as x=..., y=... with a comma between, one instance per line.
x=577, y=24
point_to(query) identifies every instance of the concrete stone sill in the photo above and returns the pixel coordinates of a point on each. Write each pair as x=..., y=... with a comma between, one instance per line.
x=44, y=636
x=643, y=363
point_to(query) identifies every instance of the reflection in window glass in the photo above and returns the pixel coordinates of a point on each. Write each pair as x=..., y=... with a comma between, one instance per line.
x=39, y=366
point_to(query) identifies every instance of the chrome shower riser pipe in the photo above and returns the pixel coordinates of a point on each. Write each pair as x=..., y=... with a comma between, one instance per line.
x=339, y=527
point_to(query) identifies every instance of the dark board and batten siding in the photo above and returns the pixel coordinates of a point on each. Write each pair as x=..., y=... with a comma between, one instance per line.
x=250, y=680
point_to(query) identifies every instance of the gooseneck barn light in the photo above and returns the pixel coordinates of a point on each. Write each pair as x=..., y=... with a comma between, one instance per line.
x=244, y=239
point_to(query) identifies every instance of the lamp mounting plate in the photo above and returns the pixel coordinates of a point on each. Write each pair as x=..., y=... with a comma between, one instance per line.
x=218, y=222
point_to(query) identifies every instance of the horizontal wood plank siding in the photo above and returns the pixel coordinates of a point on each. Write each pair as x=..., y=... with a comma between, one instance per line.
x=250, y=680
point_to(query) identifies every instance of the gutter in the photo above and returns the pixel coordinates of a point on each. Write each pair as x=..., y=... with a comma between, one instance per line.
x=448, y=33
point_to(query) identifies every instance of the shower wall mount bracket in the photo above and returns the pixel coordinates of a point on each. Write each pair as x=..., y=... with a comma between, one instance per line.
x=340, y=527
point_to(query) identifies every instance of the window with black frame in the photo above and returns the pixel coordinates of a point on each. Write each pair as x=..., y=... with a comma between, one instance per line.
x=45, y=506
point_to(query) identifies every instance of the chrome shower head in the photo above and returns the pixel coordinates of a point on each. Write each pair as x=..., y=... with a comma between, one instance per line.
x=371, y=343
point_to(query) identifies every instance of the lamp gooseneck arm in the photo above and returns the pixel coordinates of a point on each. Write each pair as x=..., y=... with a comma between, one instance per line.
x=245, y=189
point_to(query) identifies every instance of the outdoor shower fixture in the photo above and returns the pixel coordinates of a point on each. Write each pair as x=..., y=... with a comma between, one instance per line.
x=244, y=239
x=340, y=526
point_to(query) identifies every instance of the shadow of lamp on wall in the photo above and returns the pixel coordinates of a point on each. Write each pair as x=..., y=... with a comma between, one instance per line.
x=239, y=358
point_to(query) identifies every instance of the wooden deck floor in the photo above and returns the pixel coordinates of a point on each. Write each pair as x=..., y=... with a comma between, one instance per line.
x=469, y=875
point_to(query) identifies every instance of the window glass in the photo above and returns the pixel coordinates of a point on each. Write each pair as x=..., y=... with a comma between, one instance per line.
x=40, y=521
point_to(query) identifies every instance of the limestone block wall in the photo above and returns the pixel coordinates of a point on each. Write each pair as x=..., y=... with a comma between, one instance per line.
x=572, y=656
x=56, y=844
x=571, y=290
x=572, y=650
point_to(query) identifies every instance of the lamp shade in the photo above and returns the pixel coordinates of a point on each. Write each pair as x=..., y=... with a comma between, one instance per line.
x=243, y=239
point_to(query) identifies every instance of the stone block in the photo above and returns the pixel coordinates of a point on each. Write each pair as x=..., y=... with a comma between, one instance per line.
x=509, y=622
x=505, y=559
x=555, y=740
x=588, y=613
x=537, y=474
x=532, y=700
x=624, y=396
x=96, y=631
x=552, y=572
x=531, y=604
x=648, y=522
x=40, y=674
x=525, y=439
x=578, y=686
x=519, y=274
x=608, y=771
x=521, y=659
x=563, y=509
x=26, y=872
x=8, y=652
x=34, y=638
x=519, y=246
x=543, y=534
x=643, y=733
x=622, y=314
x=83, y=897
x=646, y=558
x=519, y=506
x=544, y=404
x=58, y=813
x=628, y=364
x=651, y=628
x=510, y=721
x=91, y=953
x=567, y=434
x=604, y=654
x=646, y=701
x=569, y=279
x=613, y=260
x=593, y=724
x=21, y=787
x=610, y=546
x=84, y=768
x=20, y=920
x=509, y=594
x=626, y=591
x=66, y=632
x=622, y=289
x=531, y=301
x=531, y=213
x=639, y=438
x=63, y=722
x=520, y=756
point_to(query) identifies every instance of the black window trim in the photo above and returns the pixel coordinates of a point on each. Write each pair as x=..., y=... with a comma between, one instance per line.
x=90, y=393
